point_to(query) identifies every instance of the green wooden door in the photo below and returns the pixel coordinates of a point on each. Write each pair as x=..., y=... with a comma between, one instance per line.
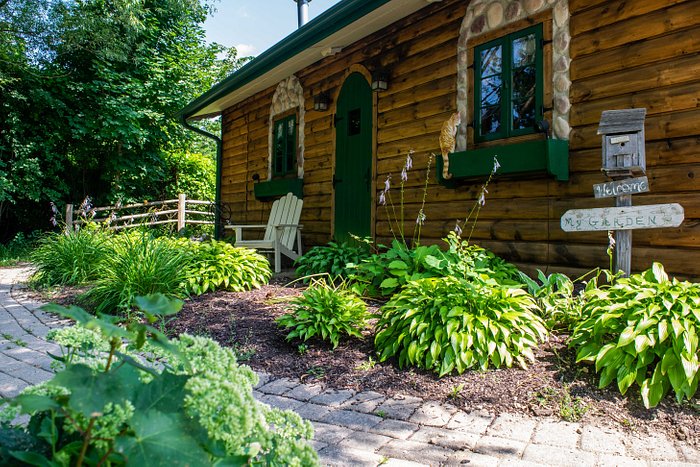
x=353, y=159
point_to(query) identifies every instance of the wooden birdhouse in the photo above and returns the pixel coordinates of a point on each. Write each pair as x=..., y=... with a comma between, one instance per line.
x=623, y=143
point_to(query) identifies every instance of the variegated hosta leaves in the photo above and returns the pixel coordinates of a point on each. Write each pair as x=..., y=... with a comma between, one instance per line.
x=448, y=324
x=643, y=329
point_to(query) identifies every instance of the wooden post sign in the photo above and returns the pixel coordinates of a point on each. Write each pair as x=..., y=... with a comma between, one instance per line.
x=623, y=157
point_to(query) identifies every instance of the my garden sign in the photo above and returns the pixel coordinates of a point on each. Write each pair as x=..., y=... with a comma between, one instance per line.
x=623, y=159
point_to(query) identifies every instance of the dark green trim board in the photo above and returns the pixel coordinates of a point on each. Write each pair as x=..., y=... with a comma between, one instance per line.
x=499, y=74
x=279, y=187
x=219, y=164
x=333, y=20
x=549, y=156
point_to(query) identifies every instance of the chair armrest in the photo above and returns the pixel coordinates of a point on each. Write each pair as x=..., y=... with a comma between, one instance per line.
x=281, y=226
x=245, y=226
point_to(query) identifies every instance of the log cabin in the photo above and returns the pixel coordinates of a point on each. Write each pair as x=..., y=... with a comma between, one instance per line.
x=333, y=110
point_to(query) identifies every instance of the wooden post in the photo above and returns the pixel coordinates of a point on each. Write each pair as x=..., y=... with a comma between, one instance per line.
x=181, y=203
x=69, y=218
x=623, y=241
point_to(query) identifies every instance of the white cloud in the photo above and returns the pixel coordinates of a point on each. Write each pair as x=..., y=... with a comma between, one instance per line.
x=246, y=50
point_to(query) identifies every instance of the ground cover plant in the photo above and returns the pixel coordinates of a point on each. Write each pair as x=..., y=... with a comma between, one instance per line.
x=325, y=311
x=643, y=329
x=450, y=324
x=108, y=405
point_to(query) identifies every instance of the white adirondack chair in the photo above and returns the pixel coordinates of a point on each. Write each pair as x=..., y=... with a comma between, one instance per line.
x=281, y=231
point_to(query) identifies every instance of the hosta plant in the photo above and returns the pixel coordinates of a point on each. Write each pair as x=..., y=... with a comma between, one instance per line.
x=215, y=265
x=384, y=273
x=644, y=330
x=194, y=407
x=334, y=259
x=325, y=311
x=453, y=324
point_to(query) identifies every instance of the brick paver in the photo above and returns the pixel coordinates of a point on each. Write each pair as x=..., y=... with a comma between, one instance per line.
x=368, y=428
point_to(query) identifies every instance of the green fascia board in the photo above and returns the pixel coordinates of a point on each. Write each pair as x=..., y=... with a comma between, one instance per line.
x=550, y=156
x=333, y=20
x=279, y=187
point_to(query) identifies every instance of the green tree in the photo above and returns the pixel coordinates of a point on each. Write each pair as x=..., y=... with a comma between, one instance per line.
x=89, y=91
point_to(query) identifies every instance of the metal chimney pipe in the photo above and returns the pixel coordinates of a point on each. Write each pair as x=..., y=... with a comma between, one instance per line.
x=303, y=11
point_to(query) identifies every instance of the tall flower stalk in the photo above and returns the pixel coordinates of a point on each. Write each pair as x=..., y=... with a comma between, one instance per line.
x=396, y=219
x=480, y=202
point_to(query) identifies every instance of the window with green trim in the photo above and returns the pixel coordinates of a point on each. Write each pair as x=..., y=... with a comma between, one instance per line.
x=284, y=160
x=508, y=85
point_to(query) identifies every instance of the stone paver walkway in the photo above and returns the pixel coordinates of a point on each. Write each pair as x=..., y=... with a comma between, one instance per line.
x=367, y=428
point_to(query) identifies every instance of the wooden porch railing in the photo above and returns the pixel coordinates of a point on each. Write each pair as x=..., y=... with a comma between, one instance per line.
x=180, y=211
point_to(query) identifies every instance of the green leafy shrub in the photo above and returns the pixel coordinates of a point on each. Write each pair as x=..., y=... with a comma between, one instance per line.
x=334, y=259
x=559, y=305
x=72, y=258
x=138, y=264
x=385, y=273
x=194, y=408
x=447, y=324
x=215, y=265
x=327, y=312
x=643, y=329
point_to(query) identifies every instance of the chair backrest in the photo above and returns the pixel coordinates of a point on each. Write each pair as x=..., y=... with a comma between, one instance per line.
x=286, y=210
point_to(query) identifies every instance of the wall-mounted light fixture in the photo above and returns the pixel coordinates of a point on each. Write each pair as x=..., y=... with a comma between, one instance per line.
x=322, y=101
x=256, y=178
x=380, y=80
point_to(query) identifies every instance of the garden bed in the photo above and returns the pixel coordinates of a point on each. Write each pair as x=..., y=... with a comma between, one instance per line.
x=553, y=386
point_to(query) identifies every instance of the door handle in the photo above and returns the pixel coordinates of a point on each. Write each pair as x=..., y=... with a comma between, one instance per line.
x=336, y=180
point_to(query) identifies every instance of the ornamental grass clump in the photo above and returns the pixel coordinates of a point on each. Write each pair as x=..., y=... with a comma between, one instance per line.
x=194, y=407
x=452, y=324
x=644, y=330
x=70, y=258
x=325, y=311
x=137, y=264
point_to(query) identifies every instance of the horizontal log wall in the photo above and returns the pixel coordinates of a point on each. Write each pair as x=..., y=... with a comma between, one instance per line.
x=624, y=54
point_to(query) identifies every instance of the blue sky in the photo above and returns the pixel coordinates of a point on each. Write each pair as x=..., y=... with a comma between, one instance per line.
x=253, y=26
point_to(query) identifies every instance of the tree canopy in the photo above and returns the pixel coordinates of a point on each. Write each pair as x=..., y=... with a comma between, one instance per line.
x=89, y=91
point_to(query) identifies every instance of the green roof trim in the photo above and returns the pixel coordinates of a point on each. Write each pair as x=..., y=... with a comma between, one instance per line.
x=333, y=20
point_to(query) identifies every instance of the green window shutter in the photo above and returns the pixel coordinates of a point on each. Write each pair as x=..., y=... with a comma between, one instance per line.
x=508, y=91
x=285, y=149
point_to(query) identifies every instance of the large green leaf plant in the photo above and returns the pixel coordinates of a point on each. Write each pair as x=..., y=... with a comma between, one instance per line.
x=644, y=330
x=132, y=396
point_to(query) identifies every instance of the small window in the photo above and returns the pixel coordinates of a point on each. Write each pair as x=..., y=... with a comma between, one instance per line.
x=508, y=85
x=285, y=140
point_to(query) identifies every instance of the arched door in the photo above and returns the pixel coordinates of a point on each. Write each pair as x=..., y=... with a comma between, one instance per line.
x=352, y=180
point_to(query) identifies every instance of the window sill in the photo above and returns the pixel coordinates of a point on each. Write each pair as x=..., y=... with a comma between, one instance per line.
x=279, y=187
x=549, y=156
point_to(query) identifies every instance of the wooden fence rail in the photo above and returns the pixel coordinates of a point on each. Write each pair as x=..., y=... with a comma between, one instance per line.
x=171, y=211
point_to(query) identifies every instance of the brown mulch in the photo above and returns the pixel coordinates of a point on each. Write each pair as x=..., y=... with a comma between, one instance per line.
x=553, y=386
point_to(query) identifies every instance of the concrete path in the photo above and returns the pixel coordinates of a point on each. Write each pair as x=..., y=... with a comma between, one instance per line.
x=368, y=428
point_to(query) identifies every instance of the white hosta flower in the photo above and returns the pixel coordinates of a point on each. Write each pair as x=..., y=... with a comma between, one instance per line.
x=458, y=229
x=387, y=183
x=482, y=197
x=496, y=164
x=611, y=239
x=421, y=218
x=382, y=198
x=404, y=175
x=409, y=160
